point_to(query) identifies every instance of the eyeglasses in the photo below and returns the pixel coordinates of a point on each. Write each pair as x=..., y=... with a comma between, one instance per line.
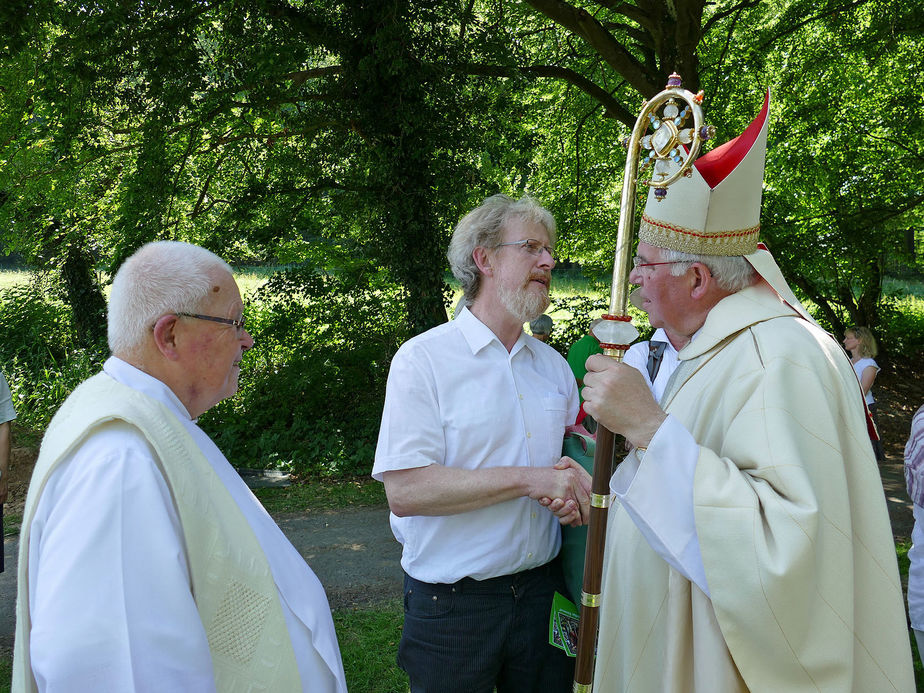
x=531, y=246
x=639, y=262
x=239, y=324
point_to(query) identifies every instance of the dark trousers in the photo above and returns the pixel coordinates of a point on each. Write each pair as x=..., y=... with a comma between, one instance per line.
x=473, y=635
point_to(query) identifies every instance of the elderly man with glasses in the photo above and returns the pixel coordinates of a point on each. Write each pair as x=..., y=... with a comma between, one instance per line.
x=145, y=563
x=470, y=454
x=750, y=546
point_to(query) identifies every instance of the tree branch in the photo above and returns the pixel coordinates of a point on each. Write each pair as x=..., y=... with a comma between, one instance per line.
x=612, y=107
x=616, y=56
x=299, y=77
x=897, y=143
x=808, y=20
x=733, y=10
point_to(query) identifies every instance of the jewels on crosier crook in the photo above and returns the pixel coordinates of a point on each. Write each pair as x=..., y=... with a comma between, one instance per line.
x=672, y=141
x=668, y=135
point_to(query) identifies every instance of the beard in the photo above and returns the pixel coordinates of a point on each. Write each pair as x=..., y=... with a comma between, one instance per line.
x=522, y=303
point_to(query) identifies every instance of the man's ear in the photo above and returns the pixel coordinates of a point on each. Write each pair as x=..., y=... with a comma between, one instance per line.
x=483, y=261
x=703, y=281
x=165, y=337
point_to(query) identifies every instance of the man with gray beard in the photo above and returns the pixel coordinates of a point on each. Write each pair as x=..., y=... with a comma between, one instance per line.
x=469, y=452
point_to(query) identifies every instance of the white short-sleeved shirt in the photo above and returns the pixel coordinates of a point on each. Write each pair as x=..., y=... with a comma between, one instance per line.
x=861, y=366
x=456, y=397
x=7, y=413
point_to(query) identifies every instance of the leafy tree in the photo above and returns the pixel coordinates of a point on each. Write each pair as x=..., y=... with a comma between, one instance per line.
x=845, y=161
x=258, y=128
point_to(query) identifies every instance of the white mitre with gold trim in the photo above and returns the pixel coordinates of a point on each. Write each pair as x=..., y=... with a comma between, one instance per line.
x=716, y=209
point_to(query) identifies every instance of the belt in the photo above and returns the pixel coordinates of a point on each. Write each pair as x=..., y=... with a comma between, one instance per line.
x=495, y=585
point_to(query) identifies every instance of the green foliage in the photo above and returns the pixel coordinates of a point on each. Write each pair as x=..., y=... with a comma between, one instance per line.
x=312, y=388
x=582, y=309
x=38, y=353
x=902, y=326
x=844, y=162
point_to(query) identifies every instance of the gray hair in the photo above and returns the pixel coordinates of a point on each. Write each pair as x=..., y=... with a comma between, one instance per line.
x=541, y=325
x=484, y=227
x=731, y=272
x=159, y=278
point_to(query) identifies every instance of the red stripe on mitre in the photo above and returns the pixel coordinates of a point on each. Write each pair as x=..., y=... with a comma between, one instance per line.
x=721, y=161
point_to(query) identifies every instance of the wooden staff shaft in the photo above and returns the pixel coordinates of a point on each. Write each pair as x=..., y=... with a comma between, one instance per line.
x=593, y=561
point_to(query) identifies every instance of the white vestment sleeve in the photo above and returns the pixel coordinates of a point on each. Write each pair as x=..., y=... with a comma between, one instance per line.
x=657, y=493
x=110, y=595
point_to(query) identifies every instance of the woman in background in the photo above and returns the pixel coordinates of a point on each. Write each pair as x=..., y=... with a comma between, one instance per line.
x=861, y=344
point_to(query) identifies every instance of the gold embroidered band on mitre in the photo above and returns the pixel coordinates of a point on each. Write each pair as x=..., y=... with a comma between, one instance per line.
x=674, y=237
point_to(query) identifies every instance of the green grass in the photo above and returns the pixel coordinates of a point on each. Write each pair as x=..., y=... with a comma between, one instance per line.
x=914, y=288
x=11, y=524
x=313, y=495
x=369, y=644
x=368, y=640
x=10, y=278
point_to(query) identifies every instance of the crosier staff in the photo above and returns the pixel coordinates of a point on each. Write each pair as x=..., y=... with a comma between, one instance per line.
x=672, y=139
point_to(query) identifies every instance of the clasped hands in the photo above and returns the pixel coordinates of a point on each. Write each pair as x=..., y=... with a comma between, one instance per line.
x=565, y=490
x=619, y=398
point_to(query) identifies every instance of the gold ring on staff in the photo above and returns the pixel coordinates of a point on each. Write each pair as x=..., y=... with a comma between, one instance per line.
x=591, y=600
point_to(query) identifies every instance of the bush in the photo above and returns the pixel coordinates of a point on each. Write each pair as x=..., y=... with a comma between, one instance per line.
x=901, y=329
x=38, y=355
x=313, y=386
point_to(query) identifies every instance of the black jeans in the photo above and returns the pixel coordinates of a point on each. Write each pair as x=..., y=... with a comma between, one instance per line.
x=473, y=635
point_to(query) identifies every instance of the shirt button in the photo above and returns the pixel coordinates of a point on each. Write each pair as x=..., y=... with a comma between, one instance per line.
x=529, y=435
x=521, y=396
x=529, y=555
x=534, y=516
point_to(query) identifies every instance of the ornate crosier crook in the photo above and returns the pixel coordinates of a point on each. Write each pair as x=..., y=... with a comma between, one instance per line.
x=673, y=140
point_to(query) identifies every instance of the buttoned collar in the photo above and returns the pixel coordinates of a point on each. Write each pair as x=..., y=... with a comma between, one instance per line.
x=478, y=335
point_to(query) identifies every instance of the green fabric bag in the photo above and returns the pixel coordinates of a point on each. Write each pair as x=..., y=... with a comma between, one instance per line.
x=580, y=448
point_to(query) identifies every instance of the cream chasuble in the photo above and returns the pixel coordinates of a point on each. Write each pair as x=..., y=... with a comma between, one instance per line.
x=791, y=521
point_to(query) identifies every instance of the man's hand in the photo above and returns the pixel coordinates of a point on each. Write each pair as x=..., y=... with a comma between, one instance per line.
x=572, y=507
x=618, y=397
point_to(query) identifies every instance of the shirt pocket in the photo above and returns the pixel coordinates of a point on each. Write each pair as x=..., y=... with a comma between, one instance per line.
x=555, y=407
